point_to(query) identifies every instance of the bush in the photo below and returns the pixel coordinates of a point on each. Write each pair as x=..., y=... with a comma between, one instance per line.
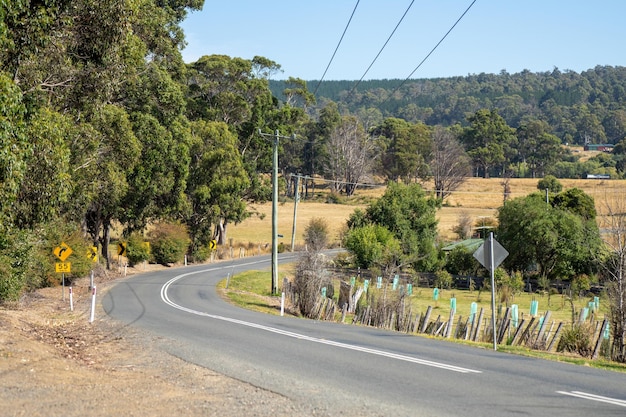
x=551, y=183
x=310, y=276
x=200, y=254
x=576, y=340
x=169, y=243
x=443, y=280
x=137, y=250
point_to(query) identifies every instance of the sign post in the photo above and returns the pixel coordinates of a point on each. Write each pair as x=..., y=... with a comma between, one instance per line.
x=63, y=251
x=490, y=255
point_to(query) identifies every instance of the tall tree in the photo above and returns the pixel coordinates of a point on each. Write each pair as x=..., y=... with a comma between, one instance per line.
x=537, y=147
x=449, y=164
x=103, y=166
x=350, y=154
x=405, y=147
x=410, y=215
x=14, y=146
x=217, y=184
x=157, y=182
x=489, y=140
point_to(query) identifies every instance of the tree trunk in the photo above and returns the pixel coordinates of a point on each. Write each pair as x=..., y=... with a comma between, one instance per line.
x=106, y=239
x=220, y=231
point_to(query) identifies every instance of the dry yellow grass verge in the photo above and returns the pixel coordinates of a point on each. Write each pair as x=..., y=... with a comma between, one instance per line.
x=477, y=198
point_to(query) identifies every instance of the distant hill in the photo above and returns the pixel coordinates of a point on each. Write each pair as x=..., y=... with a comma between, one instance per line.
x=581, y=107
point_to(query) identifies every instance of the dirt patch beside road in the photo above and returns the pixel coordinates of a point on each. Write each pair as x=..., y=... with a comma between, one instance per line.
x=53, y=362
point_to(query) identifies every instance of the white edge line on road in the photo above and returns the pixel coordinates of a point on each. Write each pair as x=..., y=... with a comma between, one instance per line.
x=166, y=300
x=593, y=397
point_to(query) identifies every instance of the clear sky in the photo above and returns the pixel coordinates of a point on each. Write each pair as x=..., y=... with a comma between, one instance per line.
x=494, y=35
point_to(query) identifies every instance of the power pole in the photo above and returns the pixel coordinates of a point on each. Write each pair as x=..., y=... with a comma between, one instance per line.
x=276, y=137
x=296, y=198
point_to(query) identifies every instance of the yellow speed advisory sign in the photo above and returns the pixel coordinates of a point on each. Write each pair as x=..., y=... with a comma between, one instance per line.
x=64, y=267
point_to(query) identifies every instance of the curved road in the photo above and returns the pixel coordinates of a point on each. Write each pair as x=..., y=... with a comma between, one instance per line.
x=351, y=369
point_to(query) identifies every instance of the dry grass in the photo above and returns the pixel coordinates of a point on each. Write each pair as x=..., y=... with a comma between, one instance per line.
x=477, y=197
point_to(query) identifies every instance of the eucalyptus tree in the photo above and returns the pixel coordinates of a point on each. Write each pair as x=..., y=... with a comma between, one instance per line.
x=489, y=141
x=404, y=147
x=15, y=147
x=216, y=186
x=350, y=155
x=449, y=164
x=537, y=147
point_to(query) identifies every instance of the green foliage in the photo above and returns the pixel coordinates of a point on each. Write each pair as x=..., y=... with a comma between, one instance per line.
x=217, y=183
x=16, y=256
x=460, y=261
x=577, y=339
x=405, y=148
x=46, y=187
x=576, y=201
x=559, y=242
x=137, y=249
x=409, y=214
x=14, y=145
x=168, y=243
x=371, y=245
x=550, y=183
x=490, y=140
x=443, y=280
x=581, y=284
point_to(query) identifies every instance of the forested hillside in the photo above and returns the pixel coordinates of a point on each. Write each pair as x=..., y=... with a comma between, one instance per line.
x=586, y=107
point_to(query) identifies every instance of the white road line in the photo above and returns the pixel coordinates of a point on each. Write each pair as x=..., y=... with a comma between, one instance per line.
x=166, y=300
x=593, y=397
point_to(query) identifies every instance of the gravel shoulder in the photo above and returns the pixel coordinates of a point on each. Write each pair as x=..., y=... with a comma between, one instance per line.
x=53, y=362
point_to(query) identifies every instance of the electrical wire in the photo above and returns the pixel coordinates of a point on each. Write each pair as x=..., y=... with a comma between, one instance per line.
x=381, y=49
x=432, y=50
x=334, y=53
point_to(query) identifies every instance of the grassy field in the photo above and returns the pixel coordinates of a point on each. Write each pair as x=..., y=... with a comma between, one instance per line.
x=477, y=198
x=252, y=290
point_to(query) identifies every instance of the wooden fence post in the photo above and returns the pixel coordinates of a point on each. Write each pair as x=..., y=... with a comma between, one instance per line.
x=518, y=331
x=599, y=341
x=478, y=322
x=426, y=319
x=555, y=337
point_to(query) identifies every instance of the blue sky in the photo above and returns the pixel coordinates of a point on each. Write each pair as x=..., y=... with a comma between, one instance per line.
x=495, y=35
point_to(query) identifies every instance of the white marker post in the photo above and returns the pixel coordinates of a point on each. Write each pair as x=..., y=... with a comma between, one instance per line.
x=282, y=304
x=93, y=305
x=71, y=300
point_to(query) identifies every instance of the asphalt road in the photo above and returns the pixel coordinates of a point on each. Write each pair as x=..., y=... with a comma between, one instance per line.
x=346, y=368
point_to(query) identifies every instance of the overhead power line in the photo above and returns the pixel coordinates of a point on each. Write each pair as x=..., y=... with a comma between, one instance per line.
x=381, y=49
x=338, y=44
x=432, y=50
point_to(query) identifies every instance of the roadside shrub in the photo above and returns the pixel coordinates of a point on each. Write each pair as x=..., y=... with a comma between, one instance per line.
x=310, y=276
x=11, y=282
x=169, y=243
x=200, y=254
x=577, y=339
x=137, y=249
